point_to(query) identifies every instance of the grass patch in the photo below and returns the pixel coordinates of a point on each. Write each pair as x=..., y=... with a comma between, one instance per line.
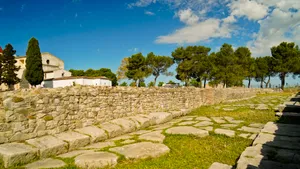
x=48, y=117
x=190, y=152
x=17, y=99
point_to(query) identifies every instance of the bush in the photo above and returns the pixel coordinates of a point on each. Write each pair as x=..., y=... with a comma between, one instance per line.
x=124, y=84
x=142, y=84
x=151, y=84
x=132, y=84
x=160, y=84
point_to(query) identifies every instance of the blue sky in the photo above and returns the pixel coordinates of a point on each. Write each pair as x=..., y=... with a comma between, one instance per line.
x=99, y=33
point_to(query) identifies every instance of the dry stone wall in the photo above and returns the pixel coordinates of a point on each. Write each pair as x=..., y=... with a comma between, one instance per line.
x=26, y=114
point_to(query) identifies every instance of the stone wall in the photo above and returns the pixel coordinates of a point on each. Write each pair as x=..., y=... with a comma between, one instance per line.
x=26, y=114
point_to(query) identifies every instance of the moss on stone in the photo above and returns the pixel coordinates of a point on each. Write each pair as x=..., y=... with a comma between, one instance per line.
x=48, y=118
x=17, y=99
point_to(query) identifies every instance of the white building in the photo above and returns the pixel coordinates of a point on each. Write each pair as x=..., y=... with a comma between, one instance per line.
x=72, y=81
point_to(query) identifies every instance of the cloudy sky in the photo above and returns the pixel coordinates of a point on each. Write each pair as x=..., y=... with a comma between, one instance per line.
x=99, y=33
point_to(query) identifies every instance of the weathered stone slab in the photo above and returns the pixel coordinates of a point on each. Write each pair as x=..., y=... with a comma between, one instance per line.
x=153, y=136
x=217, y=165
x=282, y=129
x=261, y=107
x=96, y=160
x=16, y=153
x=287, y=114
x=100, y=145
x=244, y=135
x=236, y=121
x=113, y=130
x=207, y=128
x=228, y=109
x=176, y=114
x=187, y=123
x=257, y=125
x=142, y=121
x=127, y=125
x=253, y=136
x=250, y=129
x=229, y=125
x=49, y=146
x=218, y=119
x=203, y=118
x=94, y=132
x=228, y=118
x=278, y=141
x=142, y=150
x=289, y=108
x=75, y=153
x=204, y=123
x=229, y=133
x=140, y=132
x=162, y=126
x=75, y=140
x=123, y=137
x=161, y=117
x=187, y=118
x=46, y=163
x=186, y=130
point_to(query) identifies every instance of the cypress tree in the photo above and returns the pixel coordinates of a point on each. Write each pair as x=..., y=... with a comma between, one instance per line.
x=34, y=67
x=9, y=69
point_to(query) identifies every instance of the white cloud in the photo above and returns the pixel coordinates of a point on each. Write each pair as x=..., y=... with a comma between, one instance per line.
x=187, y=16
x=141, y=3
x=251, y=9
x=149, y=13
x=210, y=28
x=229, y=19
x=274, y=30
x=133, y=50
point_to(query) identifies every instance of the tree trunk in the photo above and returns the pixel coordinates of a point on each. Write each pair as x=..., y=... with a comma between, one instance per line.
x=268, y=82
x=155, y=80
x=224, y=85
x=204, y=82
x=282, y=80
x=11, y=87
x=249, y=82
x=261, y=83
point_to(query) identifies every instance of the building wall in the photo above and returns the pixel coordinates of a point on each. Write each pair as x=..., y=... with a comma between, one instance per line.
x=37, y=112
x=70, y=82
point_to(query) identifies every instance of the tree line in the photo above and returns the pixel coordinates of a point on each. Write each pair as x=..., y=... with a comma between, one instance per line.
x=197, y=66
x=8, y=70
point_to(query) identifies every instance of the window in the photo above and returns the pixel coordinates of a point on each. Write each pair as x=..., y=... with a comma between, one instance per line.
x=63, y=74
x=48, y=62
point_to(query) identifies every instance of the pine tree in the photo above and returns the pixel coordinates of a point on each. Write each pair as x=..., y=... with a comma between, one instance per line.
x=34, y=67
x=9, y=69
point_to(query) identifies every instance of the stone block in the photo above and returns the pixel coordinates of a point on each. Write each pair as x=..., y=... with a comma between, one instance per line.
x=113, y=130
x=46, y=163
x=75, y=140
x=127, y=125
x=187, y=130
x=96, y=134
x=49, y=146
x=161, y=117
x=96, y=160
x=17, y=153
x=229, y=133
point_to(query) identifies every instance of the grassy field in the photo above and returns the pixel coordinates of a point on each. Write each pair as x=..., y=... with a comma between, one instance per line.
x=189, y=152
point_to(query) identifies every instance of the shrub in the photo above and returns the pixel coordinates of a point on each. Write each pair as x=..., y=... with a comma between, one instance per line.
x=151, y=84
x=124, y=84
x=48, y=118
x=160, y=84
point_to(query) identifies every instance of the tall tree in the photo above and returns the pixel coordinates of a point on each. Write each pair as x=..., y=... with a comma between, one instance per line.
x=121, y=72
x=137, y=68
x=1, y=64
x=261, y=70
x=285, y=55
x=34, y=66
x=77, y=72
x=244, y=62
x=271, y=69
x=9, y=69
x=159, y=65
x=109, y=74
x=228, y=71
x=251, y=71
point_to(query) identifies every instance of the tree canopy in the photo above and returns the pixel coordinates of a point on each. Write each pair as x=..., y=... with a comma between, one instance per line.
x=9, y=69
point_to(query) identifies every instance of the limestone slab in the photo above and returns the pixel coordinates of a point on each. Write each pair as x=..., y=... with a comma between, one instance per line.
x=187, y=123
x=228, y=118
x=282, y=129
x=250, y=129
x=142, y=121
x=187, y=118
x=96, y=160
x=187, y=130
x=161, y=117
x=204, y=123
x=153, y=136
x=128, y=141
x=176, y=113
x=140, y=132
x=218, y=119
x=127, y=125
x=123, y=137
x=257, y=125
x=229, y=133
x=100, y=145
x=202, y=118
x=75, y=153
x=142, y=150
x=17, y=153
x=217, y=165
x=236, y=121
x=49, y=146
x=208, y=128
x=229, y=125
x=96, y=133
x=46, y=163
x=278, y=141
x=244, y=135
x=162, y=126
x=113, y=130
x=74, y=139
